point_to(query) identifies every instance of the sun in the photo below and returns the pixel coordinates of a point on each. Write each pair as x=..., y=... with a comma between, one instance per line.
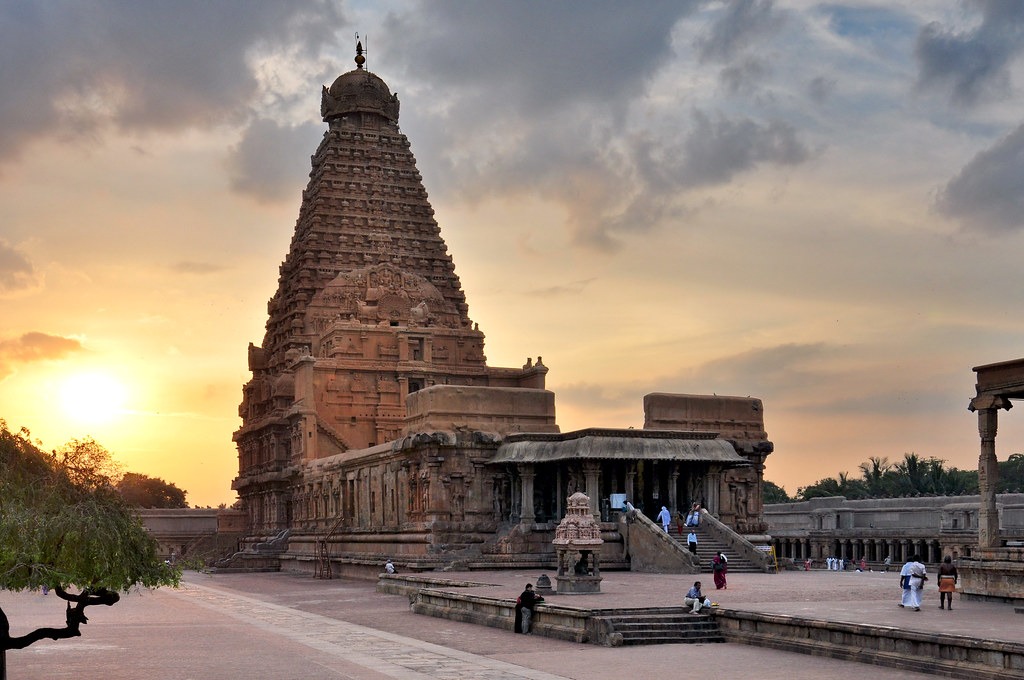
x=93, y=398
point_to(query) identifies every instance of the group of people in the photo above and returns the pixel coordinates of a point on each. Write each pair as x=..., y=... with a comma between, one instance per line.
x=913, y=576
x=841, y=564
x=665, y=517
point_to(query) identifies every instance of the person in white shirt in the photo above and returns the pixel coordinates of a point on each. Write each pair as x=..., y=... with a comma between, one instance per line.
x=665, y=517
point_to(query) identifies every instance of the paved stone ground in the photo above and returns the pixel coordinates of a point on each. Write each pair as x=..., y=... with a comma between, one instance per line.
x=283, y=626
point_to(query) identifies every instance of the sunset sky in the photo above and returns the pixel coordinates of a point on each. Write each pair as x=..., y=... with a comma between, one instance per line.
x=820, y=204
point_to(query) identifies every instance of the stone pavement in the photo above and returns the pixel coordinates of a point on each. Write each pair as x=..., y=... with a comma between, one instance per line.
x=293, y=626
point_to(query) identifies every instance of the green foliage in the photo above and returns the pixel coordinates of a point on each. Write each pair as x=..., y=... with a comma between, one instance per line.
x=143, y=491
x=1011, y=474
x=773, y=493
x=912, y=476
x=63, y=524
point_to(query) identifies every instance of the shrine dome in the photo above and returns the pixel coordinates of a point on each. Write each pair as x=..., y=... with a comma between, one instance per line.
x=358, y=91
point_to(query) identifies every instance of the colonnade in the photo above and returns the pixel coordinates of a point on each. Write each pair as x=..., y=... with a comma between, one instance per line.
x=931, y=550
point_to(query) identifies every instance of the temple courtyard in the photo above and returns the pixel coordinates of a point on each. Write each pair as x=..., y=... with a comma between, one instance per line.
x=281, y=625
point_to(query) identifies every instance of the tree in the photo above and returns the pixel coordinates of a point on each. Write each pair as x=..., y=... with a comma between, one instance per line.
x=876, y=478
x=843, y=486
x=63, y=526
x=143, y=491
x=773, y=493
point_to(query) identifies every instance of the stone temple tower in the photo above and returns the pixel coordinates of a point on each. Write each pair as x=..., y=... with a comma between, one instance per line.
x=368, y=308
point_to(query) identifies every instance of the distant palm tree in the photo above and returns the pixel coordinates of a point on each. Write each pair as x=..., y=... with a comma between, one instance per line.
x=912, y=474
x=875, y=472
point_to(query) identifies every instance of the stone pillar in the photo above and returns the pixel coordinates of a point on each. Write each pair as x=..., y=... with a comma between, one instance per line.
x=712, y=488
x=526, y=516
x=591, y=472
x=631, y=483
x=673, y=492
x=988, y=468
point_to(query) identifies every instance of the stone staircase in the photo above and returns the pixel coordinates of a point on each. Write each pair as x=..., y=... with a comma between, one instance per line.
x=708, y=545
x=659, y=626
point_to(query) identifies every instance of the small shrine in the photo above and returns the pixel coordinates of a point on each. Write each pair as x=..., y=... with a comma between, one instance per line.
x=578, y=547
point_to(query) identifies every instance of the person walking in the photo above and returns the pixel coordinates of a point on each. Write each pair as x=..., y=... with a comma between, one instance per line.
x=720, y=567
x=665, y=517
x=912, y=578
x=691, y=542
x=524, y=609
x=947, y=582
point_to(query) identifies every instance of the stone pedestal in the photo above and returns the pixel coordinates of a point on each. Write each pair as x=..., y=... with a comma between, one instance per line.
x=578, y=548
x=993, y=574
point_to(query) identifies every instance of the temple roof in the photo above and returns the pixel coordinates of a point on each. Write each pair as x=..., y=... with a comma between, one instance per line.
x=608, y=444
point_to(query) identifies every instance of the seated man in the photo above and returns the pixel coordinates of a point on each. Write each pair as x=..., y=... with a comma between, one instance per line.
x=695, y=599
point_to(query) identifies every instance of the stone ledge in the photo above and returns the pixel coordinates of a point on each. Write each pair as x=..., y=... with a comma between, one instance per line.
x=951, y=656
x=548, y=620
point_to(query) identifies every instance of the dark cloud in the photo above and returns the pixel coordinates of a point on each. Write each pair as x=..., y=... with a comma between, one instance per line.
x=716, y=149
x=742, y=26
x=271, y=160
x=71, y=67
x=32, y=347
x=16, y=271
x=821, y=88
x=987, y=195
x=972, y=65
x=557, y=101
x=537, y=55
x=744, y=75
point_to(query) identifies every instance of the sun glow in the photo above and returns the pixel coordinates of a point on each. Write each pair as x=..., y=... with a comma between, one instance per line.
x=93, y=398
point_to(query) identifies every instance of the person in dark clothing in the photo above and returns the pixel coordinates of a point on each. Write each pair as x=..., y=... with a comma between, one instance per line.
x=947, y=582
x=524, y=608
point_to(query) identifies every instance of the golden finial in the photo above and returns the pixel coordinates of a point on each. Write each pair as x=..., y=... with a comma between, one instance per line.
x=360, y=59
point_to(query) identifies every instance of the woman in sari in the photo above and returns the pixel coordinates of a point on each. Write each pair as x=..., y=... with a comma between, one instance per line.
x=719, y=567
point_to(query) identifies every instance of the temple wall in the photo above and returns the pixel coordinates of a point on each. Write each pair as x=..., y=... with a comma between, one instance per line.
x=738, y=418
x=489, y=409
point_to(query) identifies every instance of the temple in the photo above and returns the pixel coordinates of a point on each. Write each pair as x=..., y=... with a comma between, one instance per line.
x=373, y=426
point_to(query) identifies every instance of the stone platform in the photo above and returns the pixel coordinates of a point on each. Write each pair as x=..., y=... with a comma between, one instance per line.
x=284, y=626
x=865, y=625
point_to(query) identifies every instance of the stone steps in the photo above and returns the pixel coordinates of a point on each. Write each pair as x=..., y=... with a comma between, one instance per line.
x=708, y=546
x=674, y=626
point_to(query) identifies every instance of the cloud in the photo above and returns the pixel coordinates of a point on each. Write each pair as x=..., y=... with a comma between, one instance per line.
x=561, y=51
x=592, y=114
x=270, y=160
x=32, y=347
x=820, y=89
x=972, y=65
x=716, y=149
x=71, y=68
x=570, y=288
x=762, y=371
x=743, y=25
x=16, y=272
x=986, y=194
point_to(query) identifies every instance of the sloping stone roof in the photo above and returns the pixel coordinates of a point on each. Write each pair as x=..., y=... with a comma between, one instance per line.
x=608, y=444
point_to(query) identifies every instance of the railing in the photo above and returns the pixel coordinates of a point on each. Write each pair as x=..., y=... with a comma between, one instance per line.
x=736, y=543
x=323, y=551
